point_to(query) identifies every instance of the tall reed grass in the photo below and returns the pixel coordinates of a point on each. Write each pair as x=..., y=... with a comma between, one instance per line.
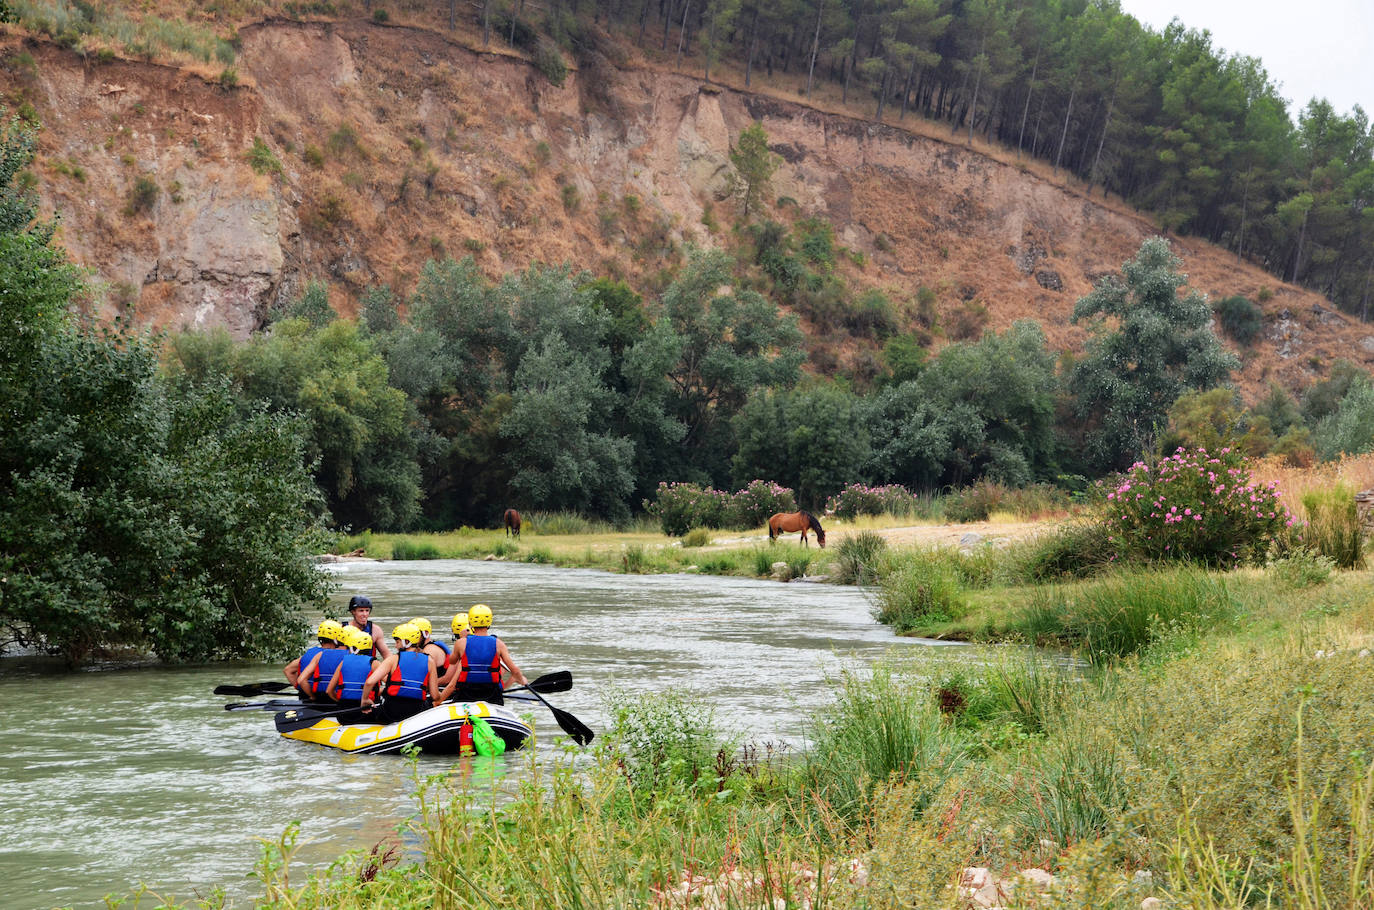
x=1123, y=615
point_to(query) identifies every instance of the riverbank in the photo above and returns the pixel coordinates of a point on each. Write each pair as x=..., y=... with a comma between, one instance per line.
x=645, y=550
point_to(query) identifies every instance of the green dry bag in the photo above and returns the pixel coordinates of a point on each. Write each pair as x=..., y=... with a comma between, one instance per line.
x=484, y=738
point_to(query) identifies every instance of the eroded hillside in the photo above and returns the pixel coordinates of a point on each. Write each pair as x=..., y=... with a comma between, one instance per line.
x=379, y=147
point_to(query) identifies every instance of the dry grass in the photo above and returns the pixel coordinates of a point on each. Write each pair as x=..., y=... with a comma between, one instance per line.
x=1354, y=471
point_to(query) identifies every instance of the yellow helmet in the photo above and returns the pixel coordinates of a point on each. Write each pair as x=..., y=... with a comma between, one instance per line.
x=460, y=623
x=357, y=639
x=479, y=616
x=407, y=632
x=331, y=630
x=423, y=625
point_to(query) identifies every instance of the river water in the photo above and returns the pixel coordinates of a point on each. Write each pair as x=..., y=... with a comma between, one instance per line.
x=112, y=778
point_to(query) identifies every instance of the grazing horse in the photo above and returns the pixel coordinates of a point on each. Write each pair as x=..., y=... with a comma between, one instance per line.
x=512, y=521
x=783, y=522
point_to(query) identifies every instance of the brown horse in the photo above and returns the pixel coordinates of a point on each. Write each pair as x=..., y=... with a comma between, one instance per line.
x=783, y=522
x=512, y=521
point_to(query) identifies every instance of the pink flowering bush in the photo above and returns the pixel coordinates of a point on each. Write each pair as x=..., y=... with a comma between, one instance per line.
x=751, y=506
x=857, y=499
x=1195, y=505
x=679, y=507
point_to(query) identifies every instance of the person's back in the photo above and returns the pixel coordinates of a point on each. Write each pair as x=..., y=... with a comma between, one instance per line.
x=346, y=685
x=407, y=679
x=481, y=656
x=299, y=671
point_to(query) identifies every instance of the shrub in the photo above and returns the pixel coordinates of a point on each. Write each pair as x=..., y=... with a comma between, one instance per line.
x=1302, y=568
x=380, y=15
x=755, y=503
x=405, y=548
x=877, y=731
x=974, y=503
x=663, y=742
x=549, y=61
x=1195, y=505
x=858, y=499
x=571, y=198
x=313, y=156
x=1239, y=318
x=558, y=523
x=697, y=537
x=1080, y=550
x=858, y=558
x=142, y=195
x=918, y=592
x=679, y=507
x=262, y=159
x=229, y=77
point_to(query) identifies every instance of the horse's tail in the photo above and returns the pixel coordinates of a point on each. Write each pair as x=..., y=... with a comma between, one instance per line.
x=772, y=531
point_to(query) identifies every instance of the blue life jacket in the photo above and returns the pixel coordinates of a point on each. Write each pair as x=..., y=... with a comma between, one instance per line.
x=481, y=662
x=308, y=656
x=330, y=658
x=410, y=676
x=354, y=669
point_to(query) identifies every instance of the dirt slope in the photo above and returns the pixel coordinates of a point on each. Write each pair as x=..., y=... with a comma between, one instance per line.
x=397, y=144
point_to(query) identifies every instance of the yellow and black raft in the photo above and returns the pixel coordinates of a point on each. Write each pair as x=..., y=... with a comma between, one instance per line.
x=463, y=728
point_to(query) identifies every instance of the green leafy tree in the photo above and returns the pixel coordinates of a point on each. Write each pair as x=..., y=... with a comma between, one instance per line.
x=562, y=457
x=721, y=343
x=809, y=439
x=754, y=165
x=1157, y=345
x=134, y=513
x=1350, y=430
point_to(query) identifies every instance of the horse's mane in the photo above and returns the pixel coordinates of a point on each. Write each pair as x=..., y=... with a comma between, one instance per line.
x=812, y=521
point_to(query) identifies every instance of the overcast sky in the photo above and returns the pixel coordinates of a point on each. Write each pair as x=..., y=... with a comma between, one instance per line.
x=1313, y=48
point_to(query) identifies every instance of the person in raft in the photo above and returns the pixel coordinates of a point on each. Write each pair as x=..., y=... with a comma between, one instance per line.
x=460, y=632
x=327, y=637
x=407, y=680
x=346, y=685
x=433, y=647
x=480, y=658
x=318, y=664
x=361, y=609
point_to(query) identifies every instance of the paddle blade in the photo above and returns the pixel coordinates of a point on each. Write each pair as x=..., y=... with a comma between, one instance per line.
x=252, y=689
x=561, y=681
x=580, y=732
x=302, y=718
x=276, y=704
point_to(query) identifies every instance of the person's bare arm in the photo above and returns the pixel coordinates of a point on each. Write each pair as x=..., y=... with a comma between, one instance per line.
x=332, y=690
x=433, y=677
x=292, y=671
x=452, y=678
x=302, y=680
x=376, y=676
x=510, y=664
x=379, y=646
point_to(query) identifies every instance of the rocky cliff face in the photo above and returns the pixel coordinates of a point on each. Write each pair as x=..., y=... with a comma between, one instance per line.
x=380, y=147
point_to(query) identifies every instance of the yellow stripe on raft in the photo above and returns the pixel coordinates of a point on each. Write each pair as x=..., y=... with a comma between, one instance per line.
x=351, y=737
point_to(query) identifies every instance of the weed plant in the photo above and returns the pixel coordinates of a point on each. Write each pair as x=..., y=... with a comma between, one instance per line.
x=920, y=590
x=1081, y=549
x=1333, y=526
x=1302, y=568
x=1122, y=615
x=859, y=558
x=406, y=548
x=880, y=730
x=697, y=537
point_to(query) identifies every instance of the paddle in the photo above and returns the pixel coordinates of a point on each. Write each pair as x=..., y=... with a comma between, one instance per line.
x=580, y=732
x=278, y=704
x=251, y=689
x=559, y=681
x=301, y=718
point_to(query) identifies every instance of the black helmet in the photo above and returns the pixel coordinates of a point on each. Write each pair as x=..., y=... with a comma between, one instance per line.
x=357, y=600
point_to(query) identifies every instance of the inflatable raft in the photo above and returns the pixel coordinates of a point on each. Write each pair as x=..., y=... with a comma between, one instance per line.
x=436, y=731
